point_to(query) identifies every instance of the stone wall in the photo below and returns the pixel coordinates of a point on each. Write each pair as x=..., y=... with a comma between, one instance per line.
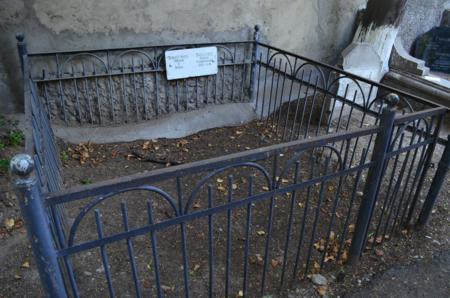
x=316, y=28
x=420, y=16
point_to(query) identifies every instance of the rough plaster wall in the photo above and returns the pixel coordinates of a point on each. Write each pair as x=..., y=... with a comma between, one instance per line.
x=420, y=16
x=316, y=28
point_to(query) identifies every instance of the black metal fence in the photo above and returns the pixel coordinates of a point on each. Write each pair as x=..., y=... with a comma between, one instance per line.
x=348, y=168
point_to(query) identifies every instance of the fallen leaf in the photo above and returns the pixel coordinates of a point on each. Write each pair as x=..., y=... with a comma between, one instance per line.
x=167, y=288
x=275, y=262
x=146, y=145
x=221, y=188
x=351, y=228
x=261, y=233
x=25, y=265
x=17, y=277
x=240, y=294
x=379, y=252
x=219, y=180
x=234, y=186
x=9, y=223
x=196, y=205
x=322, y=290
x=265, y=188
x=196, y=267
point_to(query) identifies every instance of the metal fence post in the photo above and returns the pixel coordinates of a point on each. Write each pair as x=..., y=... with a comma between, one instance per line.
x=256, y=35
x=21, y=48
x=38, y=226
x=436, y=185
x=374, y=178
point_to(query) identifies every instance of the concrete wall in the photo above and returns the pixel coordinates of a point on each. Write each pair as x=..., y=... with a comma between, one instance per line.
x=316, y=28
x=420, y=16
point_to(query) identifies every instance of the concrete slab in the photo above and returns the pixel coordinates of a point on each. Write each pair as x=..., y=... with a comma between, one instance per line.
x=176, y=125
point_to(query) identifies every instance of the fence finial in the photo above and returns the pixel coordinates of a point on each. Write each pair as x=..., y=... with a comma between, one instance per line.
x=20, y=37
x=256, y=33
x=21, y=48
x=22, y=165
x=392, y=99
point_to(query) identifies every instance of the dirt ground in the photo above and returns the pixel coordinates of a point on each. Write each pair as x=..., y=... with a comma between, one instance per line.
x=413, y=263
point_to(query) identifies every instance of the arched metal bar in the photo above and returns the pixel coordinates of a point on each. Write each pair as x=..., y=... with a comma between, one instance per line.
x=159, y=59
x=287, y=59
x=227, y=50
x=80, y=55
x=401, y=130
x=352, y=79
x=100, y=199
x=134, y=51
x=214, y=173
x=322, y=75
x=299, y=154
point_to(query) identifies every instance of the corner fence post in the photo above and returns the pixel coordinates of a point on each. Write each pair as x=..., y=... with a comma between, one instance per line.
x=37, y=225
x=436, y=185
x=374, y=178
x=21, y=48
x=256, y=35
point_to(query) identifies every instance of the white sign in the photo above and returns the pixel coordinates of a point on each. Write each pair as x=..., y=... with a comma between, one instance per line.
x=191, y=63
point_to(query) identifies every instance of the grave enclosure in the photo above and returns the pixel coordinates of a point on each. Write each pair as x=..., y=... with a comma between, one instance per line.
x=345, y=169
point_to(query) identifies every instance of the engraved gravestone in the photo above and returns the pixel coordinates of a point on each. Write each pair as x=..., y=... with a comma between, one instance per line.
x=434, y=48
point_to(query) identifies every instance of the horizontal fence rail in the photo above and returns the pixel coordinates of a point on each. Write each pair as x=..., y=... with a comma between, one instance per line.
x=346, y=170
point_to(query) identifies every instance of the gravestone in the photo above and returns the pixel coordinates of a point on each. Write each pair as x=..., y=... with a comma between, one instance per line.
x=434, y=48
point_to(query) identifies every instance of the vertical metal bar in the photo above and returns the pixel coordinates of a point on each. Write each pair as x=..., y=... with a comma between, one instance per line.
x=305, y=103
x=97, y=94
x=269, y=225
x=289, y=227
x=350, y=207
x=228, y=253
x=154, y=250
x=297, y=105
x=303, y=224
x=45, y=93
x=316, y=216
x=86, y=94
x=130, y=248
x=265, y=84
x=247, y=236
x=281, y=98
x=374, y=178
x=110, y=88
x=156, y=94
x=210, y=244
x=233, y=72
x=144, y=97
x=63, y=102
x=257, y=86
x=426, y=166
x=77, y=99
x=183, y=240
x=253, y=89
x=436, y=185
x=103, y=253
x=37, y=224
x=123, y=87
x=133, y=78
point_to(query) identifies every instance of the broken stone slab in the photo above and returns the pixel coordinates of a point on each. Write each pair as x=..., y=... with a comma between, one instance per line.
x=401, y=60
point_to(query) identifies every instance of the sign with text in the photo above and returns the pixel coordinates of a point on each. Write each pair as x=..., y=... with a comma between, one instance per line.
x=191, y=63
